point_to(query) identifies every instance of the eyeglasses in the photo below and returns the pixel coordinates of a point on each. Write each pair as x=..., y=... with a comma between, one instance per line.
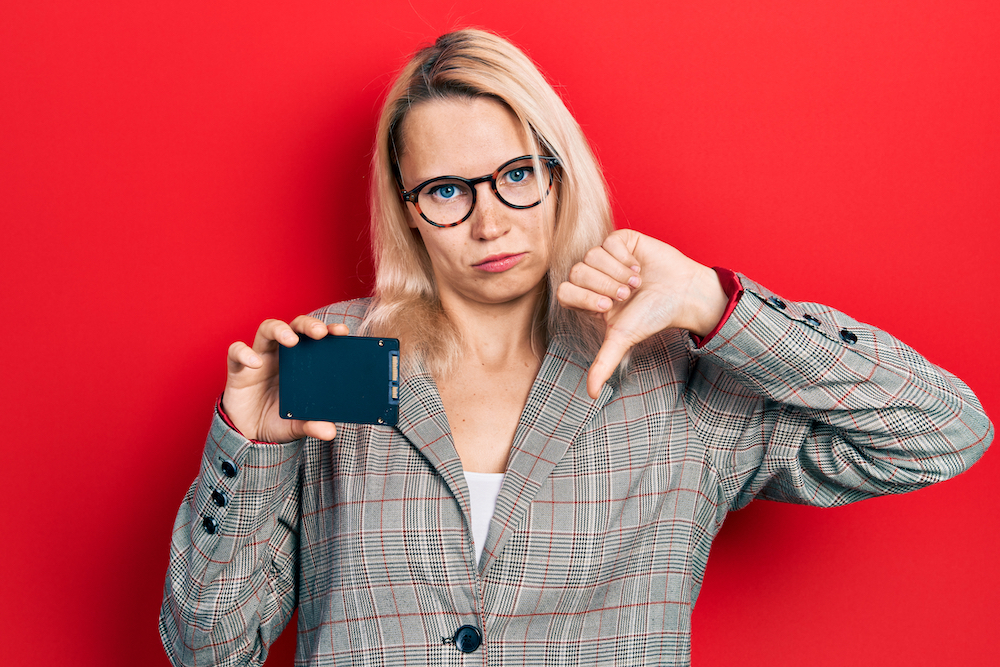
x=447, y=201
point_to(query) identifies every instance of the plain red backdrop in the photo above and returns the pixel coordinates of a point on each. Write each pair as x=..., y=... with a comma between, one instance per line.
x=172, y=173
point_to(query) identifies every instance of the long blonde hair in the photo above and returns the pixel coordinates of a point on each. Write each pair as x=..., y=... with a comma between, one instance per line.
x=475, y=63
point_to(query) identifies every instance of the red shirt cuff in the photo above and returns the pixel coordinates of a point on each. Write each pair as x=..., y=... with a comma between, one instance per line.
x=733, y=288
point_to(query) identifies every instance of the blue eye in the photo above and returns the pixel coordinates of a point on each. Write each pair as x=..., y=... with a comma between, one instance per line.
x=519, y=175
x=446, y=191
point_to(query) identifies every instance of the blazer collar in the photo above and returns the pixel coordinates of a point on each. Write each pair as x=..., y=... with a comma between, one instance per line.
x=557, y=409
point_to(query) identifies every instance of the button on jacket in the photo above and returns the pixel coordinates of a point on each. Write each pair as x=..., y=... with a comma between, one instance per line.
x=602, y=529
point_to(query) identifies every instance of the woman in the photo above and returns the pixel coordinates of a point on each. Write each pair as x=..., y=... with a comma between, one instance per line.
x=541, y=500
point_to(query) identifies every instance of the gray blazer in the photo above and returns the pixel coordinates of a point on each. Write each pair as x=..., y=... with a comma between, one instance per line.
x=596, y=552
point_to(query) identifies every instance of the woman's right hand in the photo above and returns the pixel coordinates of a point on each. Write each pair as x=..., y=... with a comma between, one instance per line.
x=251, y=396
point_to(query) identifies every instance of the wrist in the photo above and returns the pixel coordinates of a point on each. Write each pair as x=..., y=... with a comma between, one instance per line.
x=708, y=302
x=220, y=407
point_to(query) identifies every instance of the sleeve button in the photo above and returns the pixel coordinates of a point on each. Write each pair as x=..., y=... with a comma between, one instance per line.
x=229, y=468
x=811, y=320
x=775, y=302
x=848, y=337
x=467, y=638
x=221, y=498
x=210, y=525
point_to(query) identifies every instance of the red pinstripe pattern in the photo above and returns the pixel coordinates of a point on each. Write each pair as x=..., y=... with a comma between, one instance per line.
x=606, y=515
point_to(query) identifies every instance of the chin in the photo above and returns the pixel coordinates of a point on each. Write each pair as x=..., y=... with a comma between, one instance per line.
x=512, y=295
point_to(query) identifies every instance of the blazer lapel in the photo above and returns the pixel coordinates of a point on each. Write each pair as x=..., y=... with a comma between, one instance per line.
x=558, y=408
x=422, y=421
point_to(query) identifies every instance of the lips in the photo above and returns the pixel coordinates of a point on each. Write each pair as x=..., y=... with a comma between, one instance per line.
x=499, y=263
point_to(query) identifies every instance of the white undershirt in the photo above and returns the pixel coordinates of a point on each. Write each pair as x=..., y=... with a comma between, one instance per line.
x=484, y=487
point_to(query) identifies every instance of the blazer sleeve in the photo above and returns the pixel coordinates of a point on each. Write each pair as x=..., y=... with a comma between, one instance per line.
x=231, y=583
x=800, y=403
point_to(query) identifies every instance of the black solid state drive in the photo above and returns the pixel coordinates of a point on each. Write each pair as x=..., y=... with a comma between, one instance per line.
x=340, y=379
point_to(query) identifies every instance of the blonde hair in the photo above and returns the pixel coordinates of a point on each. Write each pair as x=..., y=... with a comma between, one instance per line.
x=406, y=305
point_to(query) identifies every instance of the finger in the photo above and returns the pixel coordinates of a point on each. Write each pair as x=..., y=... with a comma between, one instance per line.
x=270, y=331
x=595, y=280
x=575, y=297
x=620, y=245
x=241, y=356
x=338, y=329
x=623, y=269
x=320, y=430
x=608, y=357
x=309, y=326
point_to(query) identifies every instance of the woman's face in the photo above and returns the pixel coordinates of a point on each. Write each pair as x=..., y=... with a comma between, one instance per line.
x=499, y=254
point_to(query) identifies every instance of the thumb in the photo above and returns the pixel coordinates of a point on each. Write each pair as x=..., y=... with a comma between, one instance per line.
x=608, y=357
x=320, y=430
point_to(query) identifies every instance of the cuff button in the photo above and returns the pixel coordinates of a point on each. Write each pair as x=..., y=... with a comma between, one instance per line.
x=811, y=320
x=210, y=525
x=775, y=302
x=221, y=498
x=848, y=337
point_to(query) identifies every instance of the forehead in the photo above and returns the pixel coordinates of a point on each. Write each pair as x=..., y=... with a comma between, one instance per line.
x=459, y=137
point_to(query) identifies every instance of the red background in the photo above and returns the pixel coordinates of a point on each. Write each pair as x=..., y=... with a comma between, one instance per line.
x=172, y=173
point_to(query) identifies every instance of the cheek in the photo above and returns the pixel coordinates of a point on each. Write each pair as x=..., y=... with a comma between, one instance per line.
x=440, y=248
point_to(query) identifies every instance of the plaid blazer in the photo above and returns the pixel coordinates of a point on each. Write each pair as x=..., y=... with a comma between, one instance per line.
x=596, y=552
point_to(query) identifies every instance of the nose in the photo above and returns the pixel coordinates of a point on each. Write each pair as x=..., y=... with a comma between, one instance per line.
x=489, y=220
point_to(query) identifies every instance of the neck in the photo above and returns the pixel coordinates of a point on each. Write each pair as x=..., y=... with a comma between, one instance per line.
x=495, y=335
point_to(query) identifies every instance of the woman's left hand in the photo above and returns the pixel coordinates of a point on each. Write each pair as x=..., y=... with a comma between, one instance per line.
x=640, y=286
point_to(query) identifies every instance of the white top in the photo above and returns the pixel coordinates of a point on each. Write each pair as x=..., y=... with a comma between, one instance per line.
x=484, y=487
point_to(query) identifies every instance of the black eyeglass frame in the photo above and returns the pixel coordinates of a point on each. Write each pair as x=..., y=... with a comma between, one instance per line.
x=412, y=195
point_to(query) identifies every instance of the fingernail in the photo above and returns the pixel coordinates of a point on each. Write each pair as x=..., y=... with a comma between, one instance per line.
x=604, y=303
x=634, y=281
x=636, y=268
x=622, y=293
